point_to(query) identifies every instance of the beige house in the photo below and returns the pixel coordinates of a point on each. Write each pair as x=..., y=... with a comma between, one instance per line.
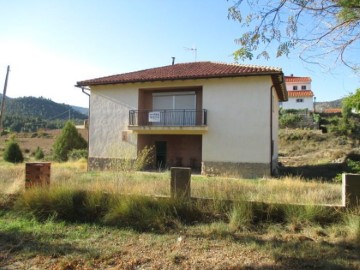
x=213, y=117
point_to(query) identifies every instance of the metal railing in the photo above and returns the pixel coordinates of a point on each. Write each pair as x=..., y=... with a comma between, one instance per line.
x=168, y=118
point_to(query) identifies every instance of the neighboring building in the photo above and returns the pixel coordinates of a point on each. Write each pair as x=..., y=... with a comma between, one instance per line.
x=299, y=93
x=214, y=117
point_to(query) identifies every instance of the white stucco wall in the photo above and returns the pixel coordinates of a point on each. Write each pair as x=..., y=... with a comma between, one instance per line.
x=289, y=85
x=238, y=120
x=109, y=118
x=292, y=104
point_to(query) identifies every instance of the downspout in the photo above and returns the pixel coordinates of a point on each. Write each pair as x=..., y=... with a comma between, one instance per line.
x=271, y=130
x=83, y=89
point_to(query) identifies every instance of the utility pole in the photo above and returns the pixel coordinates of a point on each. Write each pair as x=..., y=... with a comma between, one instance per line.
x=3, y=98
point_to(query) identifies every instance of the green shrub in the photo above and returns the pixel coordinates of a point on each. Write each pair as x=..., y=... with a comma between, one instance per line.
x=77, y=154
x=39, y=154
x=68, y=140
x=13, y=153
x=289, y=120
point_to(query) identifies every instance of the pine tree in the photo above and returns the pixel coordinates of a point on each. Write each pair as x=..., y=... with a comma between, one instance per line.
x=13, y=153
x=68, y=140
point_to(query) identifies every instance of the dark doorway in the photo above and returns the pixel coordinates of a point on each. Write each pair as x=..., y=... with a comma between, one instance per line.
x=161, y=149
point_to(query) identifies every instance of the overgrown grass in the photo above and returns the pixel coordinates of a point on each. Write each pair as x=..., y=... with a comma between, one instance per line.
x=283, y=190
x=144, y=213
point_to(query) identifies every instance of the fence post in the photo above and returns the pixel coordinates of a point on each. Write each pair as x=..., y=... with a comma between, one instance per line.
x=180, y=183
x=350, y=190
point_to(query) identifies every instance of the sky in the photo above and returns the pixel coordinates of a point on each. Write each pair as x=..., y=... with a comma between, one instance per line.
x=52, y=44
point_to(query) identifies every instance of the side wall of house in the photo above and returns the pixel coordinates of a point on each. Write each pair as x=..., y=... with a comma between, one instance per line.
x=109, y=139
x=238, y=141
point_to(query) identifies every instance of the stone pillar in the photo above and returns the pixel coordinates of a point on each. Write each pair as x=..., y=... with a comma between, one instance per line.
x=180, y=183
x=37, y=174
x=350, y=189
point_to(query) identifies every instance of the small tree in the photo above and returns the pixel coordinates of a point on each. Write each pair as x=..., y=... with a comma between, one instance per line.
x=39, y=154
x=350, y=103
x=13, y=153
x=68, y=140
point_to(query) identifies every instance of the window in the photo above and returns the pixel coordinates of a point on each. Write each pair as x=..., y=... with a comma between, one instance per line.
x=299, y=100
x=295, y=87
x=303, y=87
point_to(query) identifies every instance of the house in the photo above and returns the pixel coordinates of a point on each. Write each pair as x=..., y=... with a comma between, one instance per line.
x=299, y=93
x=213, y=117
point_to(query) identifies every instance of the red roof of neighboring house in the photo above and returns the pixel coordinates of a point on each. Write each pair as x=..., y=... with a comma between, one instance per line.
x=333, y=110
x=293, y=79
x=194, y=70
x=300, y=93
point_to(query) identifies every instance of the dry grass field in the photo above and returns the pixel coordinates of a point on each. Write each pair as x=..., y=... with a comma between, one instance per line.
x=28, y=142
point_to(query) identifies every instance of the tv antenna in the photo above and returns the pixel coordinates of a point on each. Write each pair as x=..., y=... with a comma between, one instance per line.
x=193, y=49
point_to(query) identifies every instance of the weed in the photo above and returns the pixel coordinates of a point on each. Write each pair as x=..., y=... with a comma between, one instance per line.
x=241, y=215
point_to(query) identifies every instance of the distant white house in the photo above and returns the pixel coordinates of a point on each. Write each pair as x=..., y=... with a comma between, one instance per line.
x=299, y=93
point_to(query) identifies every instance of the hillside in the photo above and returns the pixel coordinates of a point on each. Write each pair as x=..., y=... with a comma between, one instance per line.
x=320, y=106
x=41, y=107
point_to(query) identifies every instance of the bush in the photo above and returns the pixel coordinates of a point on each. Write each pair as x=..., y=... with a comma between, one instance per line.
x=39, y=154
x=68, y=140
x=77, y=154
x=13, y=153
x=289, y=120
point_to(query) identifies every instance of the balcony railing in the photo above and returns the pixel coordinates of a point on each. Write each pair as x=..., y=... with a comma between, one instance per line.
x=175, y=118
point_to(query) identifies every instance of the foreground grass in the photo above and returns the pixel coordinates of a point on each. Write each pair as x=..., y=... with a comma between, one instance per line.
x=26, y=242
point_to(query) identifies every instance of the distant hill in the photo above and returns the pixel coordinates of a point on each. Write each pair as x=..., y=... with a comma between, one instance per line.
x=43, y=108
x=82, y=110
x=320, y=106
x=32, y=113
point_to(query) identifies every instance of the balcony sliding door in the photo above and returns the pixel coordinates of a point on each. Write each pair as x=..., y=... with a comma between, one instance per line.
x=176, y=108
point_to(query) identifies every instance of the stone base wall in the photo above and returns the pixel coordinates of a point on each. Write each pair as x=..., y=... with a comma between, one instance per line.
x=107, y=163
x=238, y=170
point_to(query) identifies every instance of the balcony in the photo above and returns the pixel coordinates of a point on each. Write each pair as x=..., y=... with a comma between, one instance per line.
x=168, y=121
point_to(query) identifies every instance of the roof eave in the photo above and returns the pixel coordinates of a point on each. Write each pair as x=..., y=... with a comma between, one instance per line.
x=89, y=83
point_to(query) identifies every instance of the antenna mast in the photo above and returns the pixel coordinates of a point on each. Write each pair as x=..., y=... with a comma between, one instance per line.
x=194, y=49
x=3, y=98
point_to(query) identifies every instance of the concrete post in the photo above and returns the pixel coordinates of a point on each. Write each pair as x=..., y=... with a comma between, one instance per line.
x=180, y=183
x=350, y=189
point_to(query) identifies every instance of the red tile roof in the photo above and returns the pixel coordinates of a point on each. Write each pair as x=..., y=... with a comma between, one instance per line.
x=194, y=70
x=293, y=79
x=300, y=93
x=333, y=110
x=183, y=71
